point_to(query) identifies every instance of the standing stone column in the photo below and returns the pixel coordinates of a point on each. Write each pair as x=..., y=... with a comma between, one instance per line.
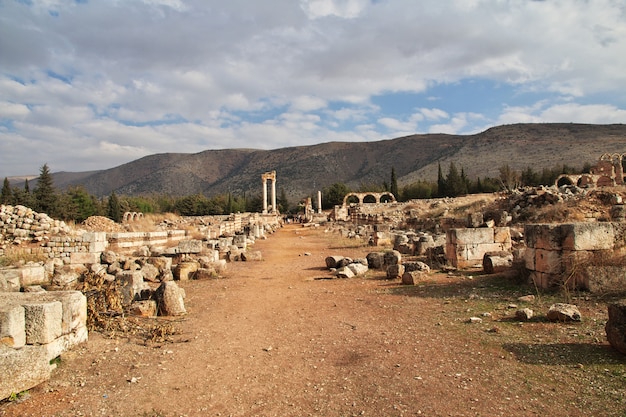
x=274, y=210
x=319, y=202
x=264, y=194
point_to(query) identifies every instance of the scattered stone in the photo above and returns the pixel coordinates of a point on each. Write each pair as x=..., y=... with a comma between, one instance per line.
x=475, y=320
x=563, y=312
x=524, y=314
x=526, y=298
x=170, y=299
x=413, y=277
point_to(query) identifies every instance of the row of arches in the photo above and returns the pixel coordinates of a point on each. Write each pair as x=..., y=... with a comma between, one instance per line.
x=131, y=216
x=363, y=198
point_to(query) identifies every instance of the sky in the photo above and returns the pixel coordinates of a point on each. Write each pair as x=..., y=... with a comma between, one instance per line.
x=89, y=85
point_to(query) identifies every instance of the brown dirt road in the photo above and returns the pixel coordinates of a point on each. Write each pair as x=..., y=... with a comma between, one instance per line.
x=273, y=338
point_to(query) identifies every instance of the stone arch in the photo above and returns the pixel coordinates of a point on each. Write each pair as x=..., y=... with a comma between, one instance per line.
x=565, y=179
x=352, y=198
x=369, y=198
x=605, y=181
x=585, y=180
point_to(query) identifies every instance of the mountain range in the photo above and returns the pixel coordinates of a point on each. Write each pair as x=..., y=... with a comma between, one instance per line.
x=302, y=170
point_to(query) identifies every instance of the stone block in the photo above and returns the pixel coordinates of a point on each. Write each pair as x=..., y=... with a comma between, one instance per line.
x=43, y=322
x=144, y=308
x=470, y=236
x=413, y=277
x=189, y=246
x=12, y=326
x=85, y=258
x=22, y=369
x=604, y=279
x=588, y=236
x=32, y=275
x=132, y=284
x=529, y=258
x=548, y=261
x=502, y=235
x=543, y=236
x=185, y=271
x=9, y=280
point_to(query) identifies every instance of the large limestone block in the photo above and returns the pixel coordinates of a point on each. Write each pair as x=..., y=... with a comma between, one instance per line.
x=185, y=271
x=22, y=369
x=170, y=299
x=85, y=258
x=543, y=236
x=9, y=280
x=470, y=236
x=588, y=236
x=32, y=275
x=548, y=261
x=43, y=322
x=189, y=246
x=12, y=325
x=529, y=258
x=132, y=284
x=502, y=235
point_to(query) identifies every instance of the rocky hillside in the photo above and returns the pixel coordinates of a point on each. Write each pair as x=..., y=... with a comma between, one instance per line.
x=302, y=170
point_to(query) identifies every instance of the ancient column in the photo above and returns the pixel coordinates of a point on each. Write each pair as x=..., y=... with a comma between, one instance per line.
x=264, y=194
x=319, y=201
x=274, y=193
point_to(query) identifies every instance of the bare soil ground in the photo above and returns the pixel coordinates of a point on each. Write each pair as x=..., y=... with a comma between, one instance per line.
x=277, y=338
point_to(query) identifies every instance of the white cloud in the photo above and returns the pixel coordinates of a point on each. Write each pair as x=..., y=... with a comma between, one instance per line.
x=151, y=76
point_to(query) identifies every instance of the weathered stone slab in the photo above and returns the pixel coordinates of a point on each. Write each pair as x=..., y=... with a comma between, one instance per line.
x=12, y=326
x=543, y=236
x=470, y=236
x=251, y=255
x=413, y=277
x=9, y=280
x=588, y=236
x=185, y=271
x=22, y=369
x=548, y=261
x=43, y=322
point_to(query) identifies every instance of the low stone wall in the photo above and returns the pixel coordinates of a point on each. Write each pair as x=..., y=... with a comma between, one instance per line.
x=35, y=328
x=573, y=255
x=467, y=247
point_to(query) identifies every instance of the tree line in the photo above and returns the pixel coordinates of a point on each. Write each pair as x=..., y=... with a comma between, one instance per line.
x=453, y=184
x=76, y=204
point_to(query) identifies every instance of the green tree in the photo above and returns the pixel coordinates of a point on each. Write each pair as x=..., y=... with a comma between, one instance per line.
x=394, y=183
x=333, y=195
x=454, y=185
x=114, y=209
x=6, y=197
x=83, y=205
x=46, y=198
x=441, y=182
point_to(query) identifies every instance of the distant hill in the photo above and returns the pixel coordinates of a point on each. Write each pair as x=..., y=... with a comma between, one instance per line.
x=303, y=170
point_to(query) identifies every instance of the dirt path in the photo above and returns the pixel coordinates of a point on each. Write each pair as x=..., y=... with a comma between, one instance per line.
x=274, y=339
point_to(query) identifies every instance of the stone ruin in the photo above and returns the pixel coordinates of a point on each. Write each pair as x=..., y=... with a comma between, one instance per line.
x=42, y=311
x=587, y=255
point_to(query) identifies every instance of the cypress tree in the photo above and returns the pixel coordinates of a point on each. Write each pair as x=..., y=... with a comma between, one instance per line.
x=441, y=182
x=394, y=183
x=114, y=210
x=5, y=195
x=46, y=199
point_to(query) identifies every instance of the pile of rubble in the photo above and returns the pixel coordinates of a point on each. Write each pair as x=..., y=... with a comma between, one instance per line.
x=102, y=224
x=22, y=224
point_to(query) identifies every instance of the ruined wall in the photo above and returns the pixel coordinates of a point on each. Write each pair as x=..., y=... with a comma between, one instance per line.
x=572, y=254
x=466, y=247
